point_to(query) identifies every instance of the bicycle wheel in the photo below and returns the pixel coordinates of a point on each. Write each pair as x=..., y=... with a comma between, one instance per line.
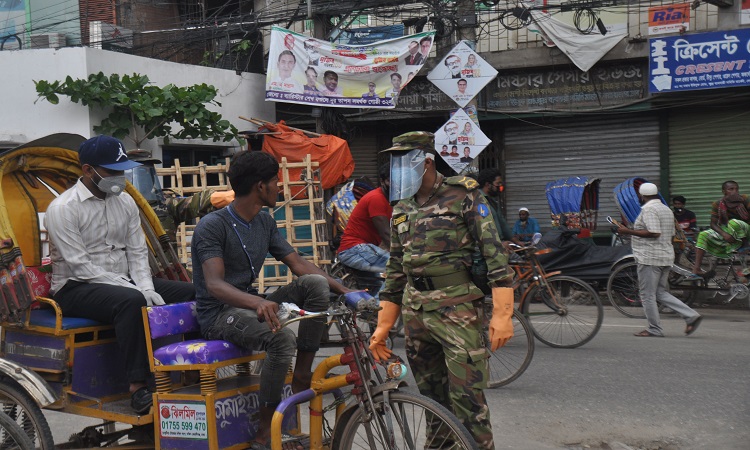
x=12, y=436
x=565, y=314
x=511, y=360
x=622, y=290
x=22, y=409
x=407, y=421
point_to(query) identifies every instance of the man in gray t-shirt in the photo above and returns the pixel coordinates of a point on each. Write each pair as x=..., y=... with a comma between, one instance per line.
x=228, y=250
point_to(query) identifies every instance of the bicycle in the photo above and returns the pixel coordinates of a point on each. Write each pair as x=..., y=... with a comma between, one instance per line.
x=622, y=285
x=360, y=281
x=508, y=362
x=563, y=311
x=378, y=415
x=12, y=435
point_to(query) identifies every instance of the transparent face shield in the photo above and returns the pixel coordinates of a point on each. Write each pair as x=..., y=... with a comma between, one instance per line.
x=144, y=179
x=407, y=170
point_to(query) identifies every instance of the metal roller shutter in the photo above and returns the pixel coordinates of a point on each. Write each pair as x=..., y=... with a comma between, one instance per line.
x=703, y=154
x=365, y=148
x=612, y=148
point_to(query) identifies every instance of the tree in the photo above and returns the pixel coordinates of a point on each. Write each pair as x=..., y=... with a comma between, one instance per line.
x=141, y=110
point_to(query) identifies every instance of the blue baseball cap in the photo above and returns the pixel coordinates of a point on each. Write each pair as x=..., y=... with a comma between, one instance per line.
x=105, y=151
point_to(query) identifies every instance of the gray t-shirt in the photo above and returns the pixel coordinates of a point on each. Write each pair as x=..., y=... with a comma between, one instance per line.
x=223, y=234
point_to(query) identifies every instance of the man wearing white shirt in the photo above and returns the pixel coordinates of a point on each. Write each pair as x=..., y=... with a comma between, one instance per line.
x=100, y=268
x=284, y=81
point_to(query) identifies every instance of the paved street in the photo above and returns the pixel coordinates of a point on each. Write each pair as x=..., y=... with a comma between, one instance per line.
x=691, y=392
x=676, y=393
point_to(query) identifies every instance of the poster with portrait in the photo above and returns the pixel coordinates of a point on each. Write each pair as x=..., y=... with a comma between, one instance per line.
x=460, y=140
x=462, y=74
x=316, y=72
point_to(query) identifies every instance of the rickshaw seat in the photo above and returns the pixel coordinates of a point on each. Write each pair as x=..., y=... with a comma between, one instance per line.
x=180, y=319
x=198, y=351
x=47, y=318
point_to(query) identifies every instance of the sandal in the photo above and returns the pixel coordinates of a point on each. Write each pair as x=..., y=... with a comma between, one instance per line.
x=692, y=326
x=302, y=440
x=646, y=333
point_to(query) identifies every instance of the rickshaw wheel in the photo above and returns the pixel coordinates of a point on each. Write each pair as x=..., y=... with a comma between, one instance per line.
x=19, y=406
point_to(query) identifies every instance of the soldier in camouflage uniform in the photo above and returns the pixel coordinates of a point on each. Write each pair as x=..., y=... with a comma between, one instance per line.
x=433, y=235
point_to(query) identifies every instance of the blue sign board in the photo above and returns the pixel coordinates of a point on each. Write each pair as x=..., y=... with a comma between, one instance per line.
x=719, y=59
x=370, y=35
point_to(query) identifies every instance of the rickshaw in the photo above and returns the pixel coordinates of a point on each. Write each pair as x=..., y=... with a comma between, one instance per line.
x=73, y=364
x=628, y=202
x=574, y=202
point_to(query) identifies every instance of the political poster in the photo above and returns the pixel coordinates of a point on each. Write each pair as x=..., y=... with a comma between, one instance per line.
x=315, y=72
x=462, y=74
x=460, y=140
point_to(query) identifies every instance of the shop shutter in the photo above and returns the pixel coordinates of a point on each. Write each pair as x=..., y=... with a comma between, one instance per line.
x=365, y=148
x=613, y=148
x=707, y=148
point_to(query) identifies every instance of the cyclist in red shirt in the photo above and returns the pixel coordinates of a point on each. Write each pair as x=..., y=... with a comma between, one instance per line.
x=365, y=244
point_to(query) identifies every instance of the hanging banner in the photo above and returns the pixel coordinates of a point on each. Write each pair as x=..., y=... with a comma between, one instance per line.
x=700, y=61
x=669, y=19
x=315, y=72
x=460, y=140
x=584, y=50
x=370, y=35
x=462, y=74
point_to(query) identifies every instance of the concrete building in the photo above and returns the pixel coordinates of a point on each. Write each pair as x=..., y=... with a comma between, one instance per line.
x=25, y=117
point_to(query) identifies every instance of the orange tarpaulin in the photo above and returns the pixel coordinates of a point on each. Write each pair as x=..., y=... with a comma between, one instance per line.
x=331, y=152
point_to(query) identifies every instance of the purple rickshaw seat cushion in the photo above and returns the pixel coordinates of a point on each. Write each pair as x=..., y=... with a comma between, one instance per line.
x=198, y=351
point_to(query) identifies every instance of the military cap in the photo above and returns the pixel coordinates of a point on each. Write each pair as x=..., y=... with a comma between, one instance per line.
x=422, y=140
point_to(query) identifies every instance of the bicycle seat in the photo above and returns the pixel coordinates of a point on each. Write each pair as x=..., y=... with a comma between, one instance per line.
x=362, y=273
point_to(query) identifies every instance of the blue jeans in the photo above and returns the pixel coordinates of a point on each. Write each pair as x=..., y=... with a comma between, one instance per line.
x=365, y=257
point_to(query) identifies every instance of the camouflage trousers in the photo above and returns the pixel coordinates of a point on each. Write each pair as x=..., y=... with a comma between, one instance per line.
x=447, y=354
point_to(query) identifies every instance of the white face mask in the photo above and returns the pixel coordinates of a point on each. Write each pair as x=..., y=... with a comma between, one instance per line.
x=407, y=171
x=114, y=185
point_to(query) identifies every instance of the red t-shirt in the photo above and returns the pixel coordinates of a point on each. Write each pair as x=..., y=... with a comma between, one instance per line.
x=360, y=229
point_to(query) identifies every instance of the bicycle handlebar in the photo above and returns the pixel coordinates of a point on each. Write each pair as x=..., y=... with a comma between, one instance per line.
x=357, y=301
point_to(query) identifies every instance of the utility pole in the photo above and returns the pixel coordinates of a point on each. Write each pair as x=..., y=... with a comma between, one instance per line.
x=321, y=25
x=467, y=22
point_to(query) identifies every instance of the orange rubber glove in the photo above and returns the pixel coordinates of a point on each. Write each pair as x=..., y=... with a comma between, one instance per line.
x=501, y=324
x=387, y=316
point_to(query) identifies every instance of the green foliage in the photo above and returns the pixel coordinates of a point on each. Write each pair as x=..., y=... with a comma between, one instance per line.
x=137, y=104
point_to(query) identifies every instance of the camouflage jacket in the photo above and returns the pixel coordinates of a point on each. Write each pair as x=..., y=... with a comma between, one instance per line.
x=176, y=210
x=439, y=238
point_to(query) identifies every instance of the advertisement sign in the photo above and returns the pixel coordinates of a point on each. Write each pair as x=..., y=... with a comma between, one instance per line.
x=566, y=89
x=745, y=12
x=185, y=420
x=700, y=61
x=462, y=74
x=316, y=72
x=669, y=19
x=460, y=140
x=370, y=35
x=12, y=18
